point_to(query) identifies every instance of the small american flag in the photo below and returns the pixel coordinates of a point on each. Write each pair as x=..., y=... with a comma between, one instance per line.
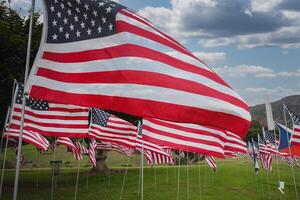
x=72, y=145
x=234, y=144
x=92, y=151
x=295, y=140
x=265, y=155
x=115, y=147
x=102, y=54
x=109, y=128
x=55, y=120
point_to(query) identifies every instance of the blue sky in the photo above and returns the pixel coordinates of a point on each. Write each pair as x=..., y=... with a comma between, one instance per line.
x=253, y=44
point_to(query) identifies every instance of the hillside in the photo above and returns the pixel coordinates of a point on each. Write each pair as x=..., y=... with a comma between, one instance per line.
x=258, y=112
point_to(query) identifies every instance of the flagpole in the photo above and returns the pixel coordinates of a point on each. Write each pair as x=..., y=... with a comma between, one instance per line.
x=4, y=126
x=154, y=170
x=199, y=176
x=178, y=178
x=187, y=176
x=53, y=166
x=77, y=178
x=289, y=145
x=3, y=166
x=15, y=193
x=124, y=179
x=277, y=157
x=142, y=171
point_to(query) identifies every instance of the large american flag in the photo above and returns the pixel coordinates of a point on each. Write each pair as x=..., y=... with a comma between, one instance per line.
x=50, y=119
x=109, y=128
x=295, y=140
x=183, y=136
x=101, y=54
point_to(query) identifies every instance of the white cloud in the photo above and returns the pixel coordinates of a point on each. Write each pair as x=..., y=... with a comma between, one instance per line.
x=254, y=70
x=263, y=5
x=211, y=57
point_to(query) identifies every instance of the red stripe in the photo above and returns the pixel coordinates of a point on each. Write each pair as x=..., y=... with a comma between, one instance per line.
x=141, y=78
x=186, y=129
x=130, y=50
x=180, y=137
x=147, y=108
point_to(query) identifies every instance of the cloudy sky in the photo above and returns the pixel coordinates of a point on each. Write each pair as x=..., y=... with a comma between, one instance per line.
x=253, y=44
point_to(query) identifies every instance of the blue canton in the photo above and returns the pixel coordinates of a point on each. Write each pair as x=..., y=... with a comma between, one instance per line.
x=99, y=117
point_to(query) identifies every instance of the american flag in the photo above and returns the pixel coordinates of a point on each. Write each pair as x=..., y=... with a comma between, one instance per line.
x=211, y=162
x=186, y=137
x=271, y=147
x=295, y=140
x=234, y=144
x=265, y=155
x=255, y=155
x=92, y=151
x=12, y=126
x=48, y=118
x=115, y=147
x=231, y=154
x=109, y=128
x=71, y=145
x=154, y=153
x=101, y=54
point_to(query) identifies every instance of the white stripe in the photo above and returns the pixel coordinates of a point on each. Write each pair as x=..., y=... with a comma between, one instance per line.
x=148, y=93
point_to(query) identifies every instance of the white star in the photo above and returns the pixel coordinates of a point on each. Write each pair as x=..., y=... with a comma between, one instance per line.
x=54, y=22
x=82, y=24
x=65, y=20
x=89, y=31
x=61, y=29
x=54, y=37
x=101, y=4
x=62, y=6
x=77, y=9
x=55, y=1
x=108, y=10
x=69, y=3
x=85, y=16
x=93, y=23
x=103, y=20
x=69, y=12
x=78, y=33
x=67, y=35
x=76, y=18
x=58, y=14
x=86, y=6
x=99, y=29
x=52, y=8
x=78, y=1
x=95, y=13
x=110, y=27
x=71, y=27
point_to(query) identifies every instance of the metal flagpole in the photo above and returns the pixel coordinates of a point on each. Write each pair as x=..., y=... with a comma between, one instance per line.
x=178, y=178
x=142, y=171
x=154, y=170
x=139, y=185
x=53, y=166
x=187, y=176
x=87, y=180
x=4, y=126
x=77, y=178
x=199, y=178
x=3, y=166
x=277, y=157
x=289, y=145
x=124, y=179
x=167, y=173
x=23, y=104
x=37, y=170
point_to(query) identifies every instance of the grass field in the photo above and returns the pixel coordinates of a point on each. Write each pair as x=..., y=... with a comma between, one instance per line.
x=234, y=179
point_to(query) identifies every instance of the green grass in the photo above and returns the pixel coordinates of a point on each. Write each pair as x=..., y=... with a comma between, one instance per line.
x=235, y=179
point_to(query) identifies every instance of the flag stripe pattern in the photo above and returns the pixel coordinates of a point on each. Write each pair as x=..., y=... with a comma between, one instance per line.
x=115, y=147
x=186, y=137
x=234, y=144
x=101, y=56
x=211, y=162
x=295, y=140
x=109, y=128
x=92, y=151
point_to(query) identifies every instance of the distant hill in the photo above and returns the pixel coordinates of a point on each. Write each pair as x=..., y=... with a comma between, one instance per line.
x=258, y=112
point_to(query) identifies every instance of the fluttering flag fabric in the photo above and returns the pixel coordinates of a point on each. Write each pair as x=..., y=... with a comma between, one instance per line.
x=255, y=157
x=186, y=137
x=115, y=147
x=295, y=140
x=55, y=120
x=101, y=54
x=211, y=162
x=265, y=154
x=71, y=146
x=234, y=144
x=92, y=151
x=109, y=128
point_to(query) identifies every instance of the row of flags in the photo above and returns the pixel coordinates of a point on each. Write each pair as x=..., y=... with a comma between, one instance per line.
x=155, y=138
x=286, y=146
